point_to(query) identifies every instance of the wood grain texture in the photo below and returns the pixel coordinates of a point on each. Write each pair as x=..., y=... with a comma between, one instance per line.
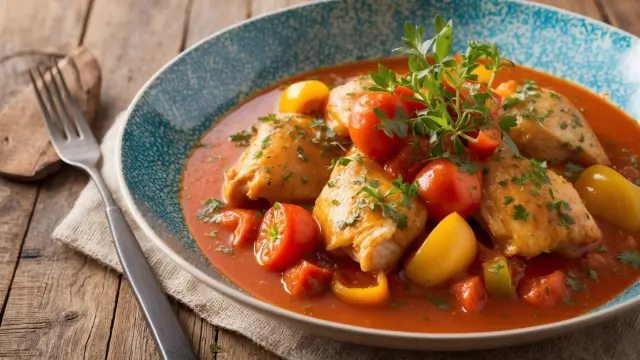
x=209, y=16
x=132, y=39
x=585, y=7
x=16, y=206
x=624, y=14
x=25, y=151
x=61, y=303
x=18, y=33
x=52, y=26
x=159, y=32
x=259, y=7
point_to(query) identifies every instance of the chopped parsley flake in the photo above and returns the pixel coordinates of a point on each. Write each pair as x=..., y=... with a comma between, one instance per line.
x=508, y=200
x=207, y=212
x=495, y=268
x=224, y=249
x=305, y=179
x=441, y=304
x=268, y=118
x=602, y=248
x=630, y=257
x=520, y=213
x=349, y=221
x=287, y=177
x=301, y=154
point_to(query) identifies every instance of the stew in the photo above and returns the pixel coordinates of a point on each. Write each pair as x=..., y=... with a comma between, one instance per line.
x=434, y=193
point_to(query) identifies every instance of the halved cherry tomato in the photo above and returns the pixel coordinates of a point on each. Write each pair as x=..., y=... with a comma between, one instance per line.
x=470, y=294
x=446, y=189
x=373, y=142
x=287, y=232
x=306, y=279
x=369, y=296
x=544, y=291
x=487, y=141
x=412, y=107
x=244, y=223
x=409, y=160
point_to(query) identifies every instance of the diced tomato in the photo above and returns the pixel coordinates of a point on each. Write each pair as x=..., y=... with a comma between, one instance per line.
x=544, y=291
x=470, y=294
x=412, y=107
x=446, y=188
x=244, y=223
x=409, y=160
x=306, y=279
x=287, y=232
x=372, y=141
x=487, y=141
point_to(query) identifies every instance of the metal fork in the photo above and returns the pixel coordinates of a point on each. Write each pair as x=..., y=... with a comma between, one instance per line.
x=75, y=144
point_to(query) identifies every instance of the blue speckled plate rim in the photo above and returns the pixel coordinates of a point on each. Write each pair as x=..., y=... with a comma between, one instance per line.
x=581, y=321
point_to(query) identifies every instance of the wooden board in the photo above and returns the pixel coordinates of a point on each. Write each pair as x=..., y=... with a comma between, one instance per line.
x=25, y=151
x=624, y=14
x=61, y=303
x=17, y=32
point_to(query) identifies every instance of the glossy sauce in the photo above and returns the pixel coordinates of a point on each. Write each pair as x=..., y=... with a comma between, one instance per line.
x=412, y=308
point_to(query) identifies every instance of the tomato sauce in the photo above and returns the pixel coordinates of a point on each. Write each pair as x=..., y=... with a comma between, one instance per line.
x=411, y=308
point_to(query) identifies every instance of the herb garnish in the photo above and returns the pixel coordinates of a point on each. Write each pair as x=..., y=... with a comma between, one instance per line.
x=630, y=257
x=207, y=212
x=441, y=304
x=379, y=201
x=349, y=221
x=224, y=249
x=301, y=155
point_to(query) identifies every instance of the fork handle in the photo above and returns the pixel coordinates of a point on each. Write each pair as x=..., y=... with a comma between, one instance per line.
x=167, y=333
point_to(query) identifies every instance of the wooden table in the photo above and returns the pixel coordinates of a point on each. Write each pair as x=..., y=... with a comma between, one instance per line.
x=58, y=304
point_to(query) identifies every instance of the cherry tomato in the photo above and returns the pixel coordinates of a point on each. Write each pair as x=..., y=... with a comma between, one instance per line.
x=244, y=223
x=470, y=294
x=412, y=107
x=408, y=161
x=487, y=141
x=544, y=291
x=372, y=142
x=286, y=234
x=446, y=188
x=306, y=279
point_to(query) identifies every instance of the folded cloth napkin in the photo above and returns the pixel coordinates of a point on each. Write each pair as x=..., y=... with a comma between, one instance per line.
x=86, y=230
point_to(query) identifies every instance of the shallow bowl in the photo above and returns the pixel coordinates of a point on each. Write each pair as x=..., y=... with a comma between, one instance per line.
x=191, y=92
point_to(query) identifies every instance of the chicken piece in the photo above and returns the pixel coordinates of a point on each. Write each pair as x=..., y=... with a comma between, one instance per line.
x=529, y=210
x=288, y=160
x=341, y=99
x=350, y=225
x=549, y=127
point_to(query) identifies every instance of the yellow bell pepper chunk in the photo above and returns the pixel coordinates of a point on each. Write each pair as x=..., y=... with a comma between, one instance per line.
x=507, y=89
x=610, y=196
x=304, y=97
x=497, y=278
x=370, y=296
x=449, y=250
x=484, y=74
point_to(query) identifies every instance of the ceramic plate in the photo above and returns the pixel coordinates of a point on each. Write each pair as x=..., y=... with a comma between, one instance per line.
x=192, y=91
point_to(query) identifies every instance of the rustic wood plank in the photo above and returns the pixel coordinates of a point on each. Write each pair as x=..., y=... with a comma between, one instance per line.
x=584, y=7
x=209, y=16
x=51, y=26
x=132, y=39
x=61, y=303
x=109, y=37
x=16, y=205
x=234, y=346
x=259, y=7
x=624, y=14
x=22, y=324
